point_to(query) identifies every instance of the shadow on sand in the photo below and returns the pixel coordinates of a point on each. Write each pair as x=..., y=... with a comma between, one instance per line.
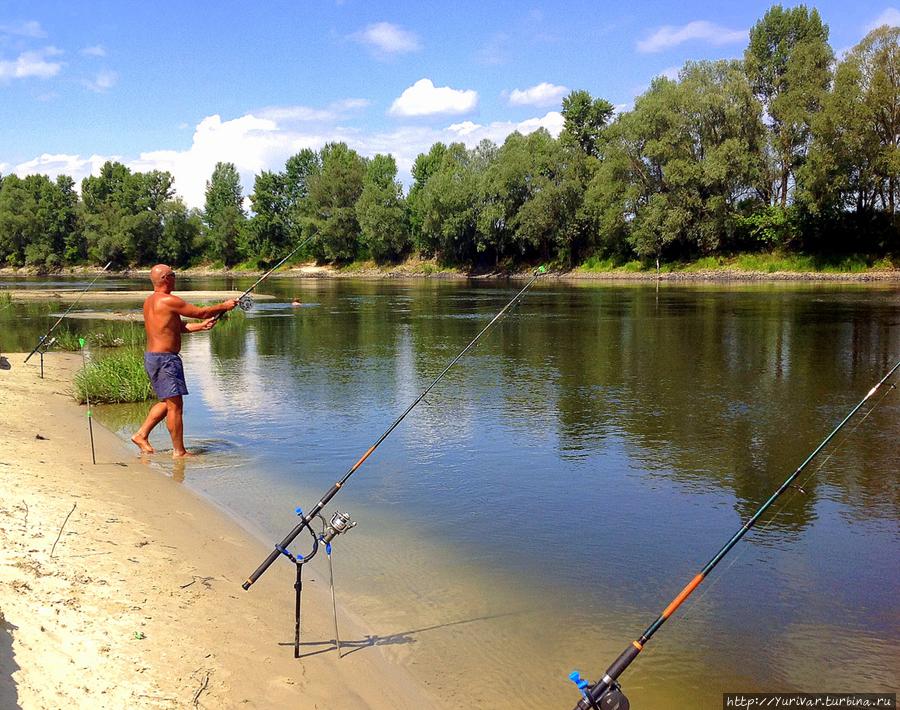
x=399, y=638
x=9, y=697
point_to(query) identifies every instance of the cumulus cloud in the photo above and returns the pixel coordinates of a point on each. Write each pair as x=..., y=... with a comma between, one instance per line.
x=425, y=99
x=29, y=28
x=31, y=64
x=890, y=17
x=670, y=36
x=103, y=81
x=543, y=94
x=96, y=51
x=388, y=39
x=255, y=143
x=670, y=73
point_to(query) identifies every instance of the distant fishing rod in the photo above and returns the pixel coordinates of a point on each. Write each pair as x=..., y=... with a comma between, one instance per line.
x=68, y=310
x=244, y=300
x=281, y=548
x=606, y=694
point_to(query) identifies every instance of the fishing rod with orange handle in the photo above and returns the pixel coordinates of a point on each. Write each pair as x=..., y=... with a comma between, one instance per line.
x=281, y=548
x=68, y=310
x=244, y=300
x=606, y=694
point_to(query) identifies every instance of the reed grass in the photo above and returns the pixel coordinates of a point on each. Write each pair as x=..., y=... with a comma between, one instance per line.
x=113, y=335
x=114, y=378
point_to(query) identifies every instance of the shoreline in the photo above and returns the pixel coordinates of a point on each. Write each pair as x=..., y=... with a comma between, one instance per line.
x=140, y=603
x=426, y=270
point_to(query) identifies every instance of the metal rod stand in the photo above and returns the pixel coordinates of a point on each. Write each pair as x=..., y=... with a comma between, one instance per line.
x=298, y=587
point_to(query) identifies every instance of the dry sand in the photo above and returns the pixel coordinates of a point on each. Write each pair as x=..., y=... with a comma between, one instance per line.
x=140, y=604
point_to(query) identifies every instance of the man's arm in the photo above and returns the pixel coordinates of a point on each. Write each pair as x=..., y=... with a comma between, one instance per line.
x=197, y=327
x=189, y=310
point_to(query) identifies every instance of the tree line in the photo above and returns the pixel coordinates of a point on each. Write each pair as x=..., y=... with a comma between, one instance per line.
x=790, y=148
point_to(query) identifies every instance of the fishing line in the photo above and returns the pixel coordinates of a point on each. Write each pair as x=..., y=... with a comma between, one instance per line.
x=281, y=548
x=68, y=310
x=606, y=693
x=798, y=489
x=244, y=300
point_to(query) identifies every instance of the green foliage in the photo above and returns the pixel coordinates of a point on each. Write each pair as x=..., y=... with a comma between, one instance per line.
x=114, y=378
x=333, y=193
x=111, y=335
x=223, y=216
x=585, y=118
x=381, y=211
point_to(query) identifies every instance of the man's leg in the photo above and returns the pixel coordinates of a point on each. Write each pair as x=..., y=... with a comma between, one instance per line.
x=175, y=424
x=155, y=416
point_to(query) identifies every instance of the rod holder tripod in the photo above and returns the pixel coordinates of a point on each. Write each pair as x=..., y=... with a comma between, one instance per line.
x=340, y=523
x=42, y=349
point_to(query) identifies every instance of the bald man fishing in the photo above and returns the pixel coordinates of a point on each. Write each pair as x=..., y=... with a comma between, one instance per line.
x=162, y=321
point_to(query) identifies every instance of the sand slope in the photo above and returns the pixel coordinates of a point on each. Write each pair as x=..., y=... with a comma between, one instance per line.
x=140, y=606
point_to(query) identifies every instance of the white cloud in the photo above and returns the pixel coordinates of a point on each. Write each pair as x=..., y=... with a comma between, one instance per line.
x=104, y=81
x=55, y=164
x=31, y=64
x=671, y=36
x=669, y=73
x=425, y=99
x=543, y=94
x=306, y=114
x=96, y=51
x=255, y=143
x=388, y=39
x=890, y=17
x=30, y=28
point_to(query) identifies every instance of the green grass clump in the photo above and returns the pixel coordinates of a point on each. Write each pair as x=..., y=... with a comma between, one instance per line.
x=112, y=335
x=114, y=378
x=5, y=298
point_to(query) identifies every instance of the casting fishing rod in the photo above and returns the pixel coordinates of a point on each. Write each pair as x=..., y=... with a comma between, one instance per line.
x=606, y=694
x=305, y=520
x=244, y=300
x=60, y=320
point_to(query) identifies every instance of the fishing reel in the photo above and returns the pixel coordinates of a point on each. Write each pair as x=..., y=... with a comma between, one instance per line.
x=245, y=302
x=612, y=698
x=340, y=523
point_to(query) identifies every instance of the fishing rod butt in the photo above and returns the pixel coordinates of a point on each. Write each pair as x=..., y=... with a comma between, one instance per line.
x=259, y=571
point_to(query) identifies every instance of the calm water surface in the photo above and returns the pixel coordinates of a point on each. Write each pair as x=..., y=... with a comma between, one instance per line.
x=569, y=476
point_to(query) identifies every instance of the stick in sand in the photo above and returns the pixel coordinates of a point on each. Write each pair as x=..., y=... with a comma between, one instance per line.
x=87, y=394
x=59, y=534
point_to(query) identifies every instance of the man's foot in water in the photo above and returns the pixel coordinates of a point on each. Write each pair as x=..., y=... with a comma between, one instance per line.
x=182, y=454
x=143, y=443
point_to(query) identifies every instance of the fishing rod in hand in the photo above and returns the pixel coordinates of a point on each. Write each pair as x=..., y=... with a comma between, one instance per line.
x=68, y=310
x=606, y=694
x=244, y=300
x=305, y=520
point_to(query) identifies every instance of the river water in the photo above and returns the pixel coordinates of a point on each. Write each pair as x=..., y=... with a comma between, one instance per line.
x=563, y=483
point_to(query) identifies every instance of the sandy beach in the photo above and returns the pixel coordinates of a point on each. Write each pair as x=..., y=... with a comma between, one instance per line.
x=139, y=605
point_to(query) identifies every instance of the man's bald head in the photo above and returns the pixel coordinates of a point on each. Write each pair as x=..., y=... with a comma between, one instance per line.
x=159, y=274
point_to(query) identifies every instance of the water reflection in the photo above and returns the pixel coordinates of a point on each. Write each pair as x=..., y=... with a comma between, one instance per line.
x=591, y=453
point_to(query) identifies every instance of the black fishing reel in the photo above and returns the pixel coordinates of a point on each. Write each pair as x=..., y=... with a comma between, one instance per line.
x=245, y=302
x=612, y=698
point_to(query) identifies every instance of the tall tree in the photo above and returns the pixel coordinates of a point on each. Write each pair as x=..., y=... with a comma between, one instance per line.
x=585, y=118
x=223, y=216
x=332, y=201
x=425, y=165
x=788, y=63
x=381, y=211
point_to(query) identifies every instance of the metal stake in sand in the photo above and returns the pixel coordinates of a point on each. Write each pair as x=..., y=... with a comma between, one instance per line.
x=87, y=396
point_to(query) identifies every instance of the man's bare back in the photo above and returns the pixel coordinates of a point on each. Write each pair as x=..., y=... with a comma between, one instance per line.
x=162, y=321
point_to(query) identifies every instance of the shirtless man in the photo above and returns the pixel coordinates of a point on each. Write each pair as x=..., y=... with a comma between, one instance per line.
x=162, y=321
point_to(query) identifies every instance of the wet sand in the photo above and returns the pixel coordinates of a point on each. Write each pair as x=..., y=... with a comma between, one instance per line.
x=139, y=605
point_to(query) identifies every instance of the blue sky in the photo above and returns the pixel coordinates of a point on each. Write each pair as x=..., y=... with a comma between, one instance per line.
x=180, y=85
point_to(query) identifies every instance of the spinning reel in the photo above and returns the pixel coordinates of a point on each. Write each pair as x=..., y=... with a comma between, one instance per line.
x=245, y=302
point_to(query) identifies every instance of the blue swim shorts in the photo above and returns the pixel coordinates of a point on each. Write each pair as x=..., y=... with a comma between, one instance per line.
x=166, y=374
